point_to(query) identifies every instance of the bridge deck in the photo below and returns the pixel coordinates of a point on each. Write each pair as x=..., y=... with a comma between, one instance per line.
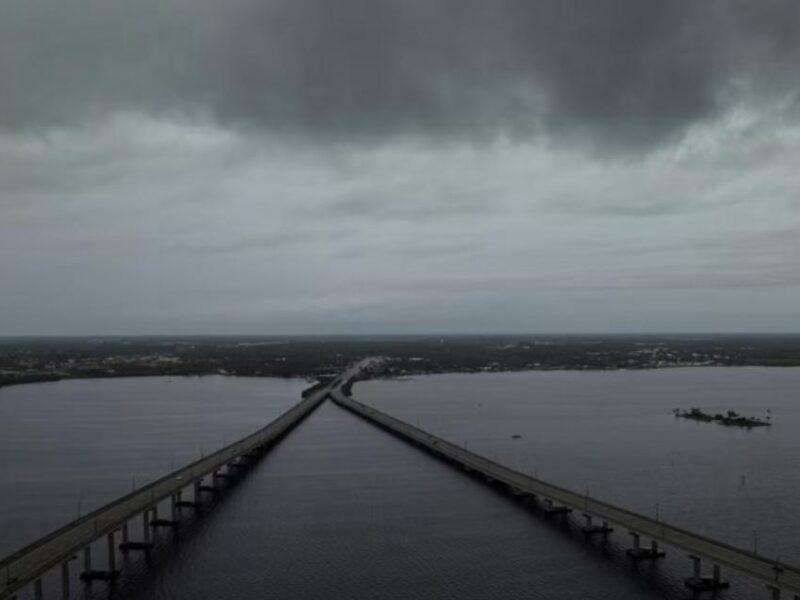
x=31, y=562
x=769, y=571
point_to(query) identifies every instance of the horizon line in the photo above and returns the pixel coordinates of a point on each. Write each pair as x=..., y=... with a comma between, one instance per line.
x=396, y=335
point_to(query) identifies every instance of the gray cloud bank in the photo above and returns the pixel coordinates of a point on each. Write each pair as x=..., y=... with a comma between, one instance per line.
x=352, y=166
x=618, y=72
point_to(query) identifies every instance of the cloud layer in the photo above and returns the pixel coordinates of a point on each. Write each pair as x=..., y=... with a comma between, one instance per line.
x=308, y=166
x=611, y=72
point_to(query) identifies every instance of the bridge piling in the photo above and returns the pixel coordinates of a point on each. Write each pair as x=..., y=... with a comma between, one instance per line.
x=112, y=554
x=700, y=583
x=174, y=507
x=65, y=579
x=126, y=544
x=654, y=551
x=590, y=529
x=89, y=574
x=193, y=503
x=38, y=590
x=160, y=522
x=146, y=526
x=638, y=553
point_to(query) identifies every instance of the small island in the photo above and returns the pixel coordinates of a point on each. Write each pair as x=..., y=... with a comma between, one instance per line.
x=731, y=418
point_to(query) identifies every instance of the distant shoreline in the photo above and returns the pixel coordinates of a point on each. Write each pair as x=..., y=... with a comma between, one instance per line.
x=52, y=359
x=76, y=377
x=405, y=377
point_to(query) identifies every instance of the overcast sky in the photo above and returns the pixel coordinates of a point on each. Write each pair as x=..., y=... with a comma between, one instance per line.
x=399, y=166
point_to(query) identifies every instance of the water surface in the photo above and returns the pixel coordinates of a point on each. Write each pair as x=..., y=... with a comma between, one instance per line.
x=340, y=509
x=70, y=446
x=613, y=434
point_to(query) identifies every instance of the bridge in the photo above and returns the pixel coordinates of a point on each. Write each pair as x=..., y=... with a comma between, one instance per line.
x=111, y=523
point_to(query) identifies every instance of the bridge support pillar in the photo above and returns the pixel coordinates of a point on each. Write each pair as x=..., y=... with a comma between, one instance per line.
x=638, y=553
x=592, y=529
x=65, y=579
x=174, y=507
x=700, y=583
x=655, y=551
x=146, y=526
x=145, y=544
x=38, y=590
x=90, y=574
x=156, y=522
x=112, y=553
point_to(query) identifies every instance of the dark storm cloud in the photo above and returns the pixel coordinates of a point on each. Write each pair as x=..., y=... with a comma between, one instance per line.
x=627, y=71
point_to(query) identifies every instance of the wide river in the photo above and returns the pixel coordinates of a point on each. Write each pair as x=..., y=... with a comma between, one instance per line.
x=342, y=510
